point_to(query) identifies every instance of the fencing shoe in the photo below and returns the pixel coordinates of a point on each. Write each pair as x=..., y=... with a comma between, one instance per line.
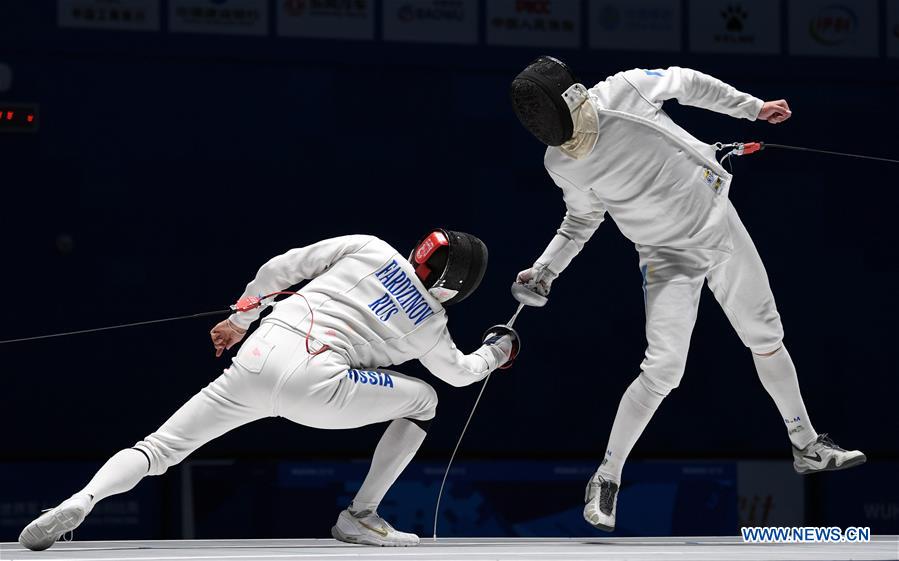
x=49, y=526
x=824, y=455
x=366, y=527
x=601, y=498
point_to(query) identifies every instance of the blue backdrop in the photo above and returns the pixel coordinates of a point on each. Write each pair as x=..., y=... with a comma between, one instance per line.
x=167, y=169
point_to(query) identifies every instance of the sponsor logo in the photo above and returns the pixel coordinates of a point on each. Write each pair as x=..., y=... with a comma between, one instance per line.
x=544, y=22
x=638, y=18
x=424, y=249
x=796, y=430
x=370, y=377
x=833, y=25
x=653, y=73
x=711, y=179
x=112, y=13
x=380, y=531
x=401, y=294
x=540, y=7
x=816, y=457
x=217, y=13
x=734, y=18
x=134, y=15
x=438, y=10
x=793, y=420
x=330, y=8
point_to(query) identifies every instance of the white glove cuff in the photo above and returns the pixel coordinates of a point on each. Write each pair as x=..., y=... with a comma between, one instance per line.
x=492, y=355
x=558, y=254
x=241, y=320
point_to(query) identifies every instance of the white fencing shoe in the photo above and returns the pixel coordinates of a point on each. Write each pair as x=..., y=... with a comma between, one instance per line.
x=366, y=527
x=824, y=455
x=48, y=527
x=602, y=499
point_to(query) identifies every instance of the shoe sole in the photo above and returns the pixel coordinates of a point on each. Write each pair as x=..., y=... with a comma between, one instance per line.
x=602, y=527
x=362, y=540
x=36, y=538
x=831, y=466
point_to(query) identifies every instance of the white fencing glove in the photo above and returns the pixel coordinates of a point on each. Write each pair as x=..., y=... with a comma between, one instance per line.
x=506, y=340
x=531, y=286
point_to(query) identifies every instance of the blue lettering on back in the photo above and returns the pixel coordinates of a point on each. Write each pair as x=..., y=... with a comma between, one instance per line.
x=401, y=286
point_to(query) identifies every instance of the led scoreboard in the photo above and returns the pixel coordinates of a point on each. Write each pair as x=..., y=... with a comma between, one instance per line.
x=18, y=117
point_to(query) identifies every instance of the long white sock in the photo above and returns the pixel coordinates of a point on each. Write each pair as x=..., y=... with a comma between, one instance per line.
x=399, y=444
x=119, y=474
x=634, y=412
x=778, y=375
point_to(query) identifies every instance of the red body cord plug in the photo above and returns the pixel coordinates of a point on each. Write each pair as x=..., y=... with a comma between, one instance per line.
x=751, y=147
x=248, y=303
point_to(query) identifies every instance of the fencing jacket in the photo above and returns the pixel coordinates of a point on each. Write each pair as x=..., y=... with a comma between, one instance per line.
x=661, y=185
x=369, y=306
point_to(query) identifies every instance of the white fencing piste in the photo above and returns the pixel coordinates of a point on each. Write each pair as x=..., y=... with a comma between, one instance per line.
x=503, y=549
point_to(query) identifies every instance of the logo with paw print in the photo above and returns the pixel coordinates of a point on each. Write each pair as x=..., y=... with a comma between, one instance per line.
x=734, y=17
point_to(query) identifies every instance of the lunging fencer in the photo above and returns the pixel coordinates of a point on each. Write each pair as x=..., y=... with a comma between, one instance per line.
x=316, y=360
x=613, y=149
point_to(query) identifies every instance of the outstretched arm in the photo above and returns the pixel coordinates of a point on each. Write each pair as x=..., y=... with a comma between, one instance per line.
x=691, y=87
x=456, y=368
x=584, y=213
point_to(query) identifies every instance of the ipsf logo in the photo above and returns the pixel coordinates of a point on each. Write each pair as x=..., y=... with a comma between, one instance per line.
x=833, y=25
x=539, y=7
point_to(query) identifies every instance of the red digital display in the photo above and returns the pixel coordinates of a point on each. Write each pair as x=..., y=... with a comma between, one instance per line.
x=18, y=117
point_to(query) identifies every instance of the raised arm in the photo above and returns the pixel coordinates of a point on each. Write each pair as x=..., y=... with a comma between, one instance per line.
x=690, y=87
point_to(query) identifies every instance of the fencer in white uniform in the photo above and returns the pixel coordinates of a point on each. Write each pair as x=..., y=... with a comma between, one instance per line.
x=316, y=360
x=613, y=149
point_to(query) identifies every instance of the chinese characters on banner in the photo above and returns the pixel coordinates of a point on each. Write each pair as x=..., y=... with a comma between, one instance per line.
x=230, y=17
x=536, y=23
x=123, y=15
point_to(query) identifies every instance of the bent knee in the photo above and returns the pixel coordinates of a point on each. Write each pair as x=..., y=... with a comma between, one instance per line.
x=663, y=374
x=160, y=455
x=765, y=353
x=425, y=404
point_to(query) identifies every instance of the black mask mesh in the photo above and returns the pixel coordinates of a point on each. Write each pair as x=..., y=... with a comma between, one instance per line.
x=536, y=95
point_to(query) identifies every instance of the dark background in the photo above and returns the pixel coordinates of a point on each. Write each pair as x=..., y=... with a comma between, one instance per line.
x=168, y=167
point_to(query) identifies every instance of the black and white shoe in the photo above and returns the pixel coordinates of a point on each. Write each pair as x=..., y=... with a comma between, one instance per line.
x=601, y=497
x=824, y=455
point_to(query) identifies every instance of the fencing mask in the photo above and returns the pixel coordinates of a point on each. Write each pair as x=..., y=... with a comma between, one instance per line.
x=450, y=264
x=544, y=96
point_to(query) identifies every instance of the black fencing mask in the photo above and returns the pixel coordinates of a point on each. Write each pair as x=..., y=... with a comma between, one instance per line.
x=538, y=102
x=450, y=264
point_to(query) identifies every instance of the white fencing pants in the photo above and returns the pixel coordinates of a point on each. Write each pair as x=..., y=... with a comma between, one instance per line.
x=273, y=375
x=672, y=284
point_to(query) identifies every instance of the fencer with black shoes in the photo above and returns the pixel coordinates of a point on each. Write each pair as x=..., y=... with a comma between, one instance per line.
x=602, y=498
x=48, y=527
x=824, y=455
x=366, y=527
